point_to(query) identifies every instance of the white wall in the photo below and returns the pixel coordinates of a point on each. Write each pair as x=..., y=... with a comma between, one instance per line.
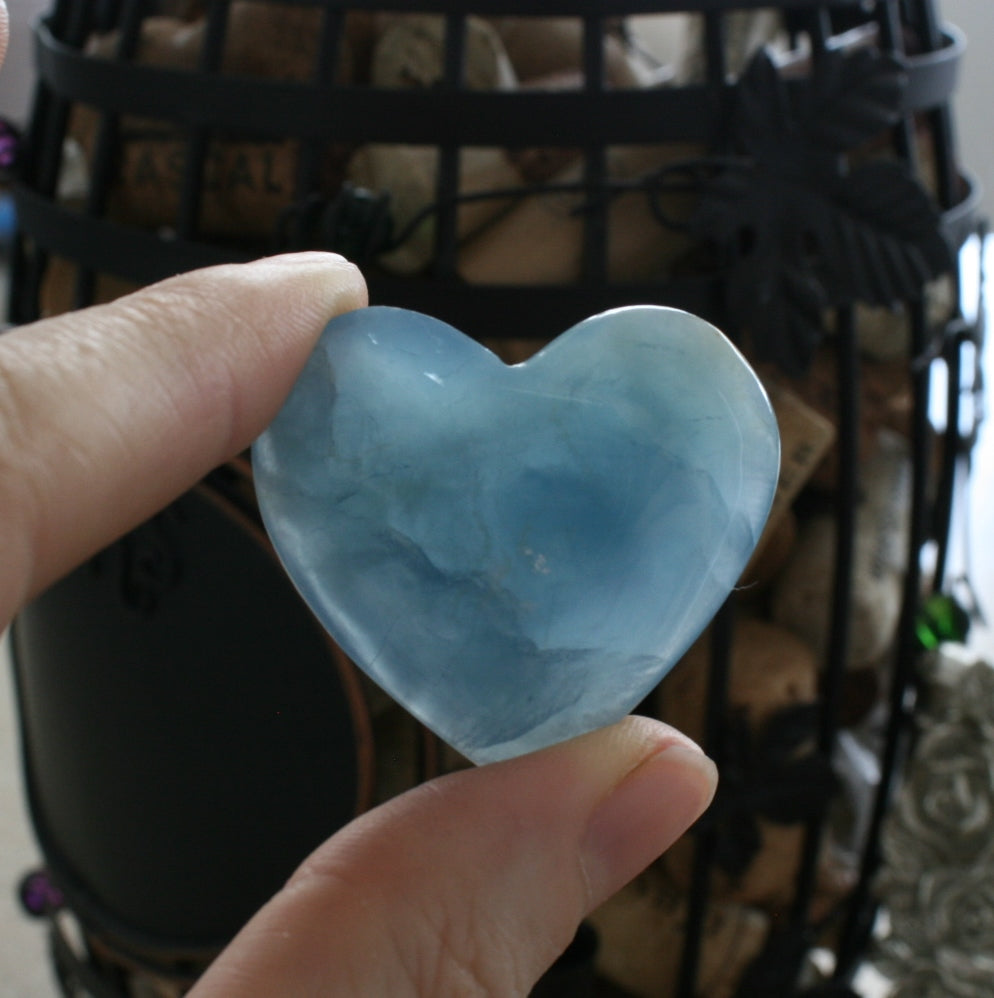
x=974, y=107
x=16, y=76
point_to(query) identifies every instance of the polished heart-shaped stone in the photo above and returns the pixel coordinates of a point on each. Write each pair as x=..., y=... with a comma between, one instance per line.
x=518, y=554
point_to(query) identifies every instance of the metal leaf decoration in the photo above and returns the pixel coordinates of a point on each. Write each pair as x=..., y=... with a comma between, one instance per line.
x=881, y=239
x=851, y=99
x=798, y=223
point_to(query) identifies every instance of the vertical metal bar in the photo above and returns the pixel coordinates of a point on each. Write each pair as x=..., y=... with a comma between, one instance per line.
x=839, y=629
x=70, y=24
x=447, y=180
x=845, y=509
x=24, y=285
x=44, y=102
x=715, y=725
x=722, y=628
x=594, y=267
x=26, y=268
x=941, y=521
x=856, y=932
x=106, y=147
x=819, y=30
x=76, y=22
x=940, y=119
x=892, y=42
x=326, y=68
x=859, y=924
x=714, y=46
x=192, y=184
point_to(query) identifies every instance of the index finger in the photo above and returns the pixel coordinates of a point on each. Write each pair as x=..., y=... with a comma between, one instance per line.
x=109, y=413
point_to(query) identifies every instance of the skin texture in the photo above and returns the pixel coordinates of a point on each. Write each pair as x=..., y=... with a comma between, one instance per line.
x=469, y=885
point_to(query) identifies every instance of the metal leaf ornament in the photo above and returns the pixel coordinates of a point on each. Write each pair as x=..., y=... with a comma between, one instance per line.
x=803, y=217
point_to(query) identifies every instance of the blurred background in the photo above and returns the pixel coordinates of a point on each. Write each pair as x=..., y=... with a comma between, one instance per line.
x=24, y=966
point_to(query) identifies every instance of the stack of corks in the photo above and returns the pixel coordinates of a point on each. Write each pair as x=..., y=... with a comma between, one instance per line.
x=780, y=646
x=247, y=185
x=774, y=781
x=781, y=635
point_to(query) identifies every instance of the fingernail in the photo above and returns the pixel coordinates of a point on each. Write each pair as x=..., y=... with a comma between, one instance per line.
x=644, y=815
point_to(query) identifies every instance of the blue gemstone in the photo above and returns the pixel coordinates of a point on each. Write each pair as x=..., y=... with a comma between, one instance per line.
x=518, y=554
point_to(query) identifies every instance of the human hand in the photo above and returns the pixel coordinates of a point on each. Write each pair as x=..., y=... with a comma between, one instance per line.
x=470, y=884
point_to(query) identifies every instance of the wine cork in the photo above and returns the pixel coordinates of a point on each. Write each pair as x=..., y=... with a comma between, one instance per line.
x=163, y=41
x=59, y=284
x=745, y=33
x=246, y=186
x=539, y=165
x=885, y=402
x=187, y=10
x=409, y=175
x=275, y=41
x=362, y=29
x=769, y=882
x=639, y=247
x=542, y=164
x=279, y=42
x=805, y=438
x=541, y=240
x=542, y=47
x=642, y=931
x=802, y=595
x=770, y=669
x=665, y=37
x=538, y=242
x=771, y=556
x=884, y=333
x=410, y=52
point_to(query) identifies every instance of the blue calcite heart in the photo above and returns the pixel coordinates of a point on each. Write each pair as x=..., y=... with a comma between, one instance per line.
x=518, y=554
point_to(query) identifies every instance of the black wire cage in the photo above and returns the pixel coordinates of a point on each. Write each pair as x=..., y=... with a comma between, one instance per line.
x=787, y=171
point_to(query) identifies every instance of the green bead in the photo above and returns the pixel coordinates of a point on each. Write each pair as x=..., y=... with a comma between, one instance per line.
x=940, y=619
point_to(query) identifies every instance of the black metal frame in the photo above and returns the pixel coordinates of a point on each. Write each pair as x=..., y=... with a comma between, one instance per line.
x=207, y=102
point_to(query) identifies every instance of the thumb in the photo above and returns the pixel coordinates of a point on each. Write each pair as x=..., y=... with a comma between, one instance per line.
x=473, y=883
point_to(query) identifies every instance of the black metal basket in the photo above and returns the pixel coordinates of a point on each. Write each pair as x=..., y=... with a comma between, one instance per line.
x=778, y=195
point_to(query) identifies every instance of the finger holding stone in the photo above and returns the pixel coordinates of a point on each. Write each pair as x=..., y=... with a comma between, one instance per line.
x=107, y=414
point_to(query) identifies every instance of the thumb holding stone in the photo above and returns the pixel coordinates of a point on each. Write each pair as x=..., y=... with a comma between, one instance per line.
x=473, y=883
